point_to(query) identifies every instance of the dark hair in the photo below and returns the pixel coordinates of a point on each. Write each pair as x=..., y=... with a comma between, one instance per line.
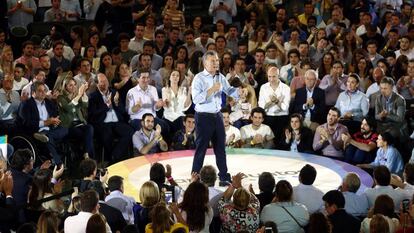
x=382, y=175
x=258, y=110
x=96, y=224
x=146, y=115
x=157, y=173
x=355, y=76
x=208, y=175
x=259, y=51
x=159, y=31
x=187, y=116
x=409, y=173
x=48, y=222
x=195, y=204
x=149, y=43
x=189, y=32
x=307, y=174
x=284, y=191
x=335, y=109
x=293, y=51
x=319, y=223
x=56, y=43
x=115, y=183
x=160, y=216
x=41, y=185
x=221, y=37
x=225, y=110
x=123, y=36
x=142, y=55
x=85, y=52
x=29, y=227
x=101, y=65
x=78, y=30
x=89, y=201
x=26, y=43
x=386, y=136
x=130, y=229
x=36, y=85
x=334, y=197
x=87, y=167
x=20, y=65
x=384, y=205
x=266, y=182
x=371, y=123
x=296, y=115
x=21, y=158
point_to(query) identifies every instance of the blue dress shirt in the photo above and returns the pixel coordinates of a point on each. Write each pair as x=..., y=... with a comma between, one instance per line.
x=204, y=81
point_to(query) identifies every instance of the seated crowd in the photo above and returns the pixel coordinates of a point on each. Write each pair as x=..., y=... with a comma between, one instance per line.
x=335, y=81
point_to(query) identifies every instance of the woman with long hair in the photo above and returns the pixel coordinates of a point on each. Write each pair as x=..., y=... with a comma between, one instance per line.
x=297, y=137
x=166, y=69
x=123, y=81
x=181, y=55
x=226, y=62
x=194, y=210
x=316, y=36
x=42, y=188
x=90, y=54
x=106, y=66
x=76, y=35
x=319, y=223
x=326, y=65
x=6, y=61
x=96, y=224
x=149, y=28
x=364, y=71
x=95, y=40
x=220, y=29
x=48, y=222
x=259, y=39
x=73, y=105
x=161, y=220
x=177, y=100
x=149, y=194
x=357, y=54
x=384, y=205
x=400, y=67
x=383, y=64
x=197, y=25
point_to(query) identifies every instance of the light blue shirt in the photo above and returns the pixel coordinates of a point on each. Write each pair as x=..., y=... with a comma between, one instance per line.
x=356, y=103
x=21, y=18
x=355, y=204
x=309, y=94
x=43, y=115
x=391, y=158
x=222, y=14
x=204, y=81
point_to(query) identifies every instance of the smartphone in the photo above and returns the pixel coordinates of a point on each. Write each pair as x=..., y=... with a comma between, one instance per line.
x=405, y=205
x=268, y=230
x=168, y=197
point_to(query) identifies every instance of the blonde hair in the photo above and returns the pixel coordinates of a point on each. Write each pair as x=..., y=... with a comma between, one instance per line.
x=149, y=194
x=241, y=198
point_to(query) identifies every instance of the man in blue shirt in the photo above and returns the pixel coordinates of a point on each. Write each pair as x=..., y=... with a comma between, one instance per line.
x=207, y=88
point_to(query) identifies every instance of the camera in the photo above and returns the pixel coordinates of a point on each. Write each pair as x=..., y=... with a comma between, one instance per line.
x=101, y=172
x=168, y=197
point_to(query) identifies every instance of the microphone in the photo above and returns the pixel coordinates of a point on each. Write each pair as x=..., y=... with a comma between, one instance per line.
x=217, y=76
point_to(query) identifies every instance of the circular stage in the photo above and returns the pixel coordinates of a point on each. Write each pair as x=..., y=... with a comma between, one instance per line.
x=284, y=165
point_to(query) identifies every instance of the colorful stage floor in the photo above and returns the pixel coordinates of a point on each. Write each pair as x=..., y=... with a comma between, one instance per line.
x=283, y=164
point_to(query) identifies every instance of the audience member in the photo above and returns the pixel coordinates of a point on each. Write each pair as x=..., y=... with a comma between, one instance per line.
x=355, y=204
x=306, y=193
x=148, y=140
x=119, y=200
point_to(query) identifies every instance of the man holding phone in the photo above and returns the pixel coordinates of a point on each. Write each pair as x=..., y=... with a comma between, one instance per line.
x=223, y=9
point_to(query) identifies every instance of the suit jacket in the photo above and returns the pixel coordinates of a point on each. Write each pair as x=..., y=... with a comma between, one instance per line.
x=343, y=222
x=114, y=217
x=395, y=119
x=97, y=108
x=318, y=96
x=9, y=210
x=30, y=114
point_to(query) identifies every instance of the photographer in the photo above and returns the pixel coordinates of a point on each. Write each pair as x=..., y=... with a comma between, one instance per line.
x=89, y=171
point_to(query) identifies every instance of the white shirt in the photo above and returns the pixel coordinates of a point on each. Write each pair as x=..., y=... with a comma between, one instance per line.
x=310, y=196
x=28, y=89
x=396, y=195
x=232, y=130
x=247, y=131
x=127, y=211
x=67, y=53
x=282, y=92
x=17, y=86
x=410, y=54
x=136, y=45
x=77, y=223
x=147, y=97
x=214, y=195
x=176, y=108
x=284, y=72
x=408, y=190
x=362, y=30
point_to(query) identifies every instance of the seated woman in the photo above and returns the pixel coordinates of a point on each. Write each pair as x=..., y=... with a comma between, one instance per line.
x=123, y=81
x=73, y=104
x=387, y=155
x=288, y=215
x=297, y=138
x=384, y=205
x=177, y=100
x=243, y=212
x=42, y=188
x=161, y=221
x=194, y=210
x=149, y=195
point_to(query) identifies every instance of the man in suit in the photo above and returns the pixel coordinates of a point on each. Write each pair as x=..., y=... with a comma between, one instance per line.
x=106, y=114
x=40, y=118
x=310, y=101
x=390, y=110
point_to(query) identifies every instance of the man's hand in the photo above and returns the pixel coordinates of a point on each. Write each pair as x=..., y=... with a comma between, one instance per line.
x=348, y=115
x=57, y=173
x=157, y=134
x=116, y=98
x=168, y=171
x=309, y=102
x=258, y=138
x=52, y=121
x=216, y=87
x=288, y=135
x=159, y=103
x=383, y=114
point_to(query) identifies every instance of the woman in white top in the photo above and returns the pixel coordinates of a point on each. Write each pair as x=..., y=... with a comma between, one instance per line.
x=194, y=211
x=177, y=100
x=94, y=39
x=383, y=205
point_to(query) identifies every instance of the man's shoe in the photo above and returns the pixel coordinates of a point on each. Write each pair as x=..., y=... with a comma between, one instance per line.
x=41, y=137
x=224, y=183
